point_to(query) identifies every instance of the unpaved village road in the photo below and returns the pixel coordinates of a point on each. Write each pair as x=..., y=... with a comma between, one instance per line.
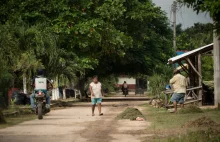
x=76, y=124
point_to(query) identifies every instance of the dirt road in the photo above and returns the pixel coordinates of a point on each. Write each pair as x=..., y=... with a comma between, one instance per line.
x=77, y=125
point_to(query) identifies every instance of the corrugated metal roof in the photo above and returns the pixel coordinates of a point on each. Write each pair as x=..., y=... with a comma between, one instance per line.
x=190, y=53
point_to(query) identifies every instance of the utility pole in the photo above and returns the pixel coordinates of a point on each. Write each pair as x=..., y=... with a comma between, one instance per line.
x=174, y=8
x=217, y=69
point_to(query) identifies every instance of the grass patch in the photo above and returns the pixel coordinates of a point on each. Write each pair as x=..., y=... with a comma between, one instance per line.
x=130, y=113
x=162, y=119
x=202, y=122
x=190, y=109
x=209, y=135
x=16, y=120
x=16, y=110
x=190, y=125
x=16, y=114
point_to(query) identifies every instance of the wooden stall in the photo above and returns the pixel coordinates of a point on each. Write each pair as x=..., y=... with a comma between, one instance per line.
x=193, y=71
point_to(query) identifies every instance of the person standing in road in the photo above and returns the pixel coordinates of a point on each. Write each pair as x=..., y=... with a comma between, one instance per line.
x=124, y=87
x=179, y=84
x=96, y=94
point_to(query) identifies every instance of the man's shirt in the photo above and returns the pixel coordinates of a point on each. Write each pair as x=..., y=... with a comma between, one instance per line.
x=179, y=83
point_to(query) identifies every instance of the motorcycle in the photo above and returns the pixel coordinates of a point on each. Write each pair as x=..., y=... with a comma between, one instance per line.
x=41, y=108
x=125, y=91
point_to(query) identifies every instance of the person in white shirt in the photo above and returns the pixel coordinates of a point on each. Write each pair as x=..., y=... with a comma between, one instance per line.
x=179, y=84
x=96, y=94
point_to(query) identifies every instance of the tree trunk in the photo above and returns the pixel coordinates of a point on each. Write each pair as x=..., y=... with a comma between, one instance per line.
x=64, y=93
x=24, y=83
x=81, y=86
x=2, y=119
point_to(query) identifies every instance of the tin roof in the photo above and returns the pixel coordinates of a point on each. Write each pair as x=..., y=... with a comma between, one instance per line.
x=190, y=53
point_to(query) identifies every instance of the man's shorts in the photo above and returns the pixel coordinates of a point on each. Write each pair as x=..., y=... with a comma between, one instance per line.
x=178, y=97
x=96, y=101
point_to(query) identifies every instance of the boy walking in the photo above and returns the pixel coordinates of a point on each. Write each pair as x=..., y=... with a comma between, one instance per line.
x=96, y=94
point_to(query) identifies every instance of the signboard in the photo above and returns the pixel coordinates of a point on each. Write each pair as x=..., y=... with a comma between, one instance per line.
x=41, y=83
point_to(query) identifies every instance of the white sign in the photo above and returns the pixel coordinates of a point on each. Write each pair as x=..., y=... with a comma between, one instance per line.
x=41, y=83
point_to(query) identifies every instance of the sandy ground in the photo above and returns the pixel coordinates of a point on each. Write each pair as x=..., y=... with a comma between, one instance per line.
x=77, y=125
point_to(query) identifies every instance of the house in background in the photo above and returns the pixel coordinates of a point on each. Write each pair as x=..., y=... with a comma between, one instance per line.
x=133, y=83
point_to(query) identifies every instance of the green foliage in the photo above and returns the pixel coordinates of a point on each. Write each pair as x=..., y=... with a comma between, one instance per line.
x=73, y=40
x=2, y=119
x=158, y=81
x=207, y=68
x=210, y=6
x=157, y=84
x=109, y=82
x=195, y=37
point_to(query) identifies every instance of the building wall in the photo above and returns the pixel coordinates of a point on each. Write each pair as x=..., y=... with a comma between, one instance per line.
x=130, y=81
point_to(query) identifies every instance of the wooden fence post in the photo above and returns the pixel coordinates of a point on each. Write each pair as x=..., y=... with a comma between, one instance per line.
x=200, y=79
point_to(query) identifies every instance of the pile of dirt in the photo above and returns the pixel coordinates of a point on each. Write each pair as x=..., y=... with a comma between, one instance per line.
x=130, y=113
x=190, y=109
x=202, y=122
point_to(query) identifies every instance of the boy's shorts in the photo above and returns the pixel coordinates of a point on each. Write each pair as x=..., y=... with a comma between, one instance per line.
x=178, y=97
x=96, y=101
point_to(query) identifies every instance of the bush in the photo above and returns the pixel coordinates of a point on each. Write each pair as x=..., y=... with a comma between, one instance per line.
x=159, y=80
x=2, y=119
x=157, y=84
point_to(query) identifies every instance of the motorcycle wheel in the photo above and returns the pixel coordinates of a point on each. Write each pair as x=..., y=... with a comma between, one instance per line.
x=40, y=111
x=126, y=93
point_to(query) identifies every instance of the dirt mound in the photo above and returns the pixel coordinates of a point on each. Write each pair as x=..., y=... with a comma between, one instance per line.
x=190, y=109
x=202, y=122
x=130, y=113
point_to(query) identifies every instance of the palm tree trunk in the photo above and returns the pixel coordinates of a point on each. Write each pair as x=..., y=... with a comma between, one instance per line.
x=81, y=85
x=24, y=83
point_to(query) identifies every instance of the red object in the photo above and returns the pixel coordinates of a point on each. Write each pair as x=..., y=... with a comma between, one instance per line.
x=130, y=86
x=10, y=91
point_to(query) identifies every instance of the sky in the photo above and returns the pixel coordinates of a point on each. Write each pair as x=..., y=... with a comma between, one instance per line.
x=186, y=16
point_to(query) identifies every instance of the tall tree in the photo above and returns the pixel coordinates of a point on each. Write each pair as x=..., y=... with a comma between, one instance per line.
x=94, y=37
x=195, y=37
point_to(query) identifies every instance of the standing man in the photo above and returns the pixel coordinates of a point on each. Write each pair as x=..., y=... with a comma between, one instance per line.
x=96, y=94
x=179, y=84
x=124, y=88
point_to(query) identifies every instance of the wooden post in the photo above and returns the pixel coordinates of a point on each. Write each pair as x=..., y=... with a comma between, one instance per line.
x=217, y=70
x=200, y=79
x=193, y=67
